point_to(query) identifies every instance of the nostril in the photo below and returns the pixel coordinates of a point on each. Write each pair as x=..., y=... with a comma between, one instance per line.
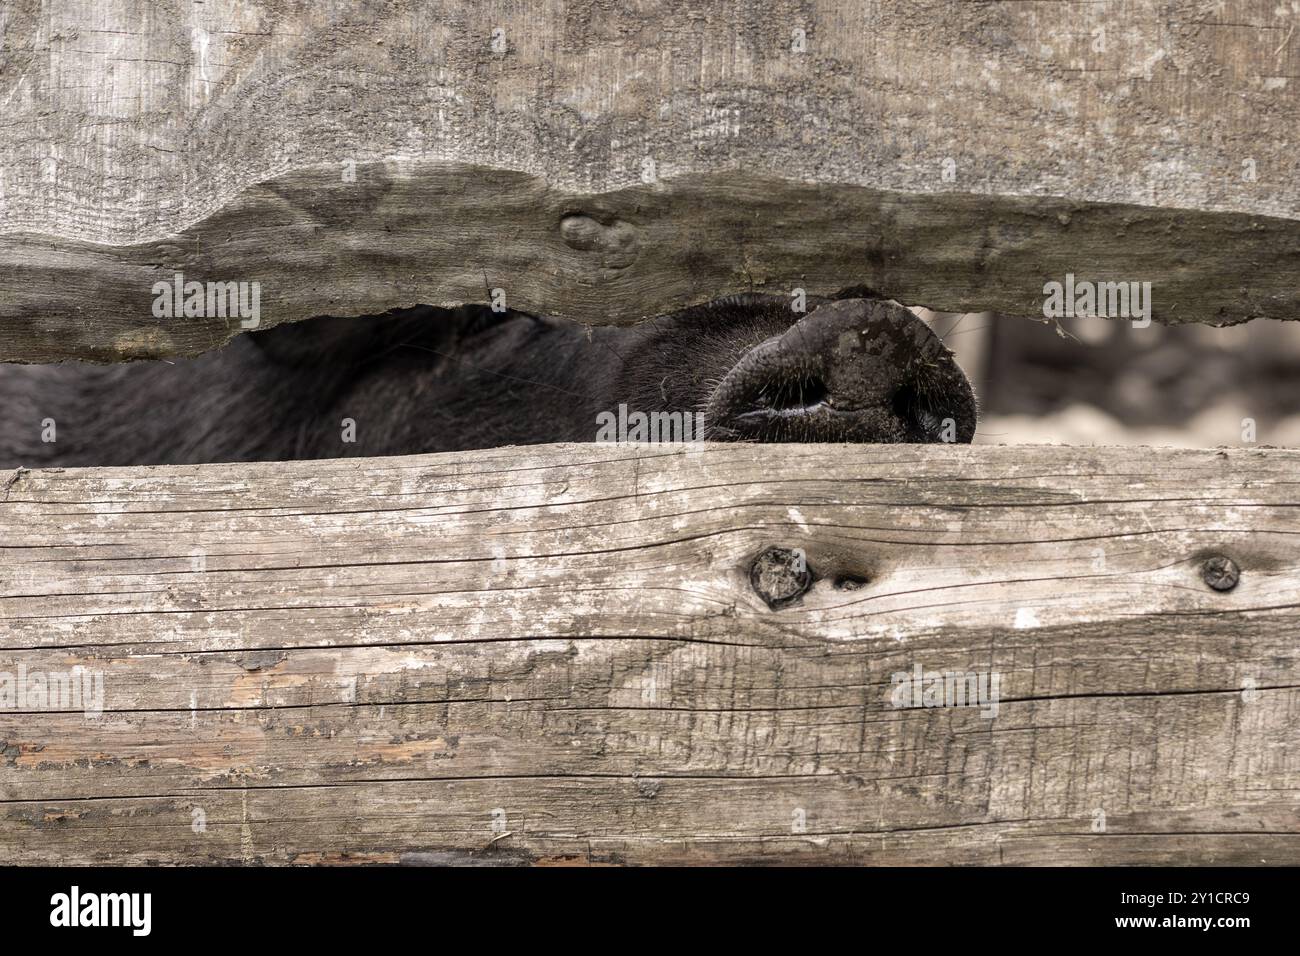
x=916, y=408
x=906, y=402
x=803, y=392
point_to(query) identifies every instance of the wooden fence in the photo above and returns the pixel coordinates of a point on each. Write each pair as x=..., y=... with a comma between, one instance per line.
x=558, y=655
x=623, y=654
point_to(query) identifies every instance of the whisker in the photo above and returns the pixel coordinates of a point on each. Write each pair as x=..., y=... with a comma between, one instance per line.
x=964, y=331
x=952, y=328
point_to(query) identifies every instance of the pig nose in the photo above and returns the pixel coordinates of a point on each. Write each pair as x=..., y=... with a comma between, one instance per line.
x=855, y=370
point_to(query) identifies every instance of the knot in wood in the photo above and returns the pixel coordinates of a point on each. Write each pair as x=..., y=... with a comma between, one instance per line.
x=780, y=576
x=1220, y=573
x=617, y=242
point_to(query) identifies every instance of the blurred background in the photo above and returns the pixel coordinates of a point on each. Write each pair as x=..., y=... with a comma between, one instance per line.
x=1100, y=381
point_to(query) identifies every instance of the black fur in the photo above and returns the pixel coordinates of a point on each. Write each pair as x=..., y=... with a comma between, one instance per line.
x=426, y=379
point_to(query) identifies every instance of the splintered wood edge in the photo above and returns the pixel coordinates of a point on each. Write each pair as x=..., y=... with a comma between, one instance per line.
x=555, y=655
x=400, y=234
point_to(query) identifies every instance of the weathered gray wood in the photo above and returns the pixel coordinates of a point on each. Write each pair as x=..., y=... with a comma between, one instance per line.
x=401, y=235
x=955, y=155
x=128, y=120
x=362, y=660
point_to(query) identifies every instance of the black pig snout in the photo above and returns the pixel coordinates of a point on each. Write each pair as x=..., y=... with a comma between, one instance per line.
x=854, y=370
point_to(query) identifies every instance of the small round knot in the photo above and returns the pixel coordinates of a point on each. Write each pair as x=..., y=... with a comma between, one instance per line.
x=780, y=576
x=616, y=242
x=1220, y=573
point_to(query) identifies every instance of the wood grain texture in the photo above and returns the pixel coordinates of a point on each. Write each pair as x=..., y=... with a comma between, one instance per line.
x=129, y=120
x=554, y=655
x=607, y=163
x=402, y=234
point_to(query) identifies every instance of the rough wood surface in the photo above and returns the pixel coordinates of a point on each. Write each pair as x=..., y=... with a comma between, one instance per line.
x=554, y=655
x=401, y=235
x=128, y=120
x=633, y=159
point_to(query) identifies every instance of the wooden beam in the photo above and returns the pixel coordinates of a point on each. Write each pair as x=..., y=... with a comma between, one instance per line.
x=401, y=235
x=610, y=167
x=556, y=654
x=128, y=120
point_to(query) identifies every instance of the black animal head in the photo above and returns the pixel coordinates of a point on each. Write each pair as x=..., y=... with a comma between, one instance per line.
x=850, y=370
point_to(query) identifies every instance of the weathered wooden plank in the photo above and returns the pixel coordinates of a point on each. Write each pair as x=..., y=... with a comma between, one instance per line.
x=616, y=164
x=402, y=235
x=128, y=120
x=555, y=654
